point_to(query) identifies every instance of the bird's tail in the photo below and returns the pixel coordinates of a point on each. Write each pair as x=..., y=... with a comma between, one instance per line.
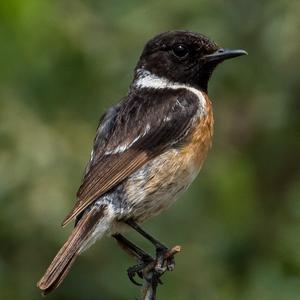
x=83, y=235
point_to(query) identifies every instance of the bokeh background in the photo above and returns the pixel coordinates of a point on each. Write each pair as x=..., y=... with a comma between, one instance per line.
x=63, y=63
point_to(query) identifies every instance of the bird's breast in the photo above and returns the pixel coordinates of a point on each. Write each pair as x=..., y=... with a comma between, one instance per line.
x=158, y=183
x=199, y=140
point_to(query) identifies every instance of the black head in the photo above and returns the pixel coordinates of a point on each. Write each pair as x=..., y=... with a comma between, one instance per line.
x=184, y=57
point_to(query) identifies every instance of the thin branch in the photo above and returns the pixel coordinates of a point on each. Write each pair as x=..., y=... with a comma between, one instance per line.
x=151, y=277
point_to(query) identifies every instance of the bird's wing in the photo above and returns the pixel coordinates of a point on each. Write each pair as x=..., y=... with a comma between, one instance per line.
x=131, y=134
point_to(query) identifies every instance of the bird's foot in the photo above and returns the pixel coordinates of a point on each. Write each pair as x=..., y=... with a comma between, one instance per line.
x=145, y=266
x=138, y=269
x=152, y=269
x=170, y=263
x=165, y=257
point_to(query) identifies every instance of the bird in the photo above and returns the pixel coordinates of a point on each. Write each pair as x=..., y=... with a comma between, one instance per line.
x=147, y=150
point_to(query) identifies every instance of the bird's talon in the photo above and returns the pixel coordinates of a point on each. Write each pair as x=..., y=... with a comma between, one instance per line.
x=138, y=270
x=131, y=278
x=170, y=267
x=140, y=274
x=170, y=263
x=160, y=270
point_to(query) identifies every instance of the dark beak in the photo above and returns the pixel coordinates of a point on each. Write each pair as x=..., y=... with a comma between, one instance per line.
x=222, y=54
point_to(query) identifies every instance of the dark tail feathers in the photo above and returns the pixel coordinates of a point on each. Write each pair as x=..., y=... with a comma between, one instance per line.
x=66, y=256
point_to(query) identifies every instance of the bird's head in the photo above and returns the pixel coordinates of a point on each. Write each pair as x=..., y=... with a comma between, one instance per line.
x=184, y=57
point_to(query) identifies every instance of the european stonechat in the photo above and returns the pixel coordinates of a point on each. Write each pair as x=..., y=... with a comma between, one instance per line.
x=147, y=150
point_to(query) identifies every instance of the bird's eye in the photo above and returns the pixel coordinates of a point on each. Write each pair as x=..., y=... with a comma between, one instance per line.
x=181, y=51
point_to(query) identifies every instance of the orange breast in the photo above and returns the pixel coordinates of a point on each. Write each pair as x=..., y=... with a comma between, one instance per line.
x=181, y=166
x=200, y=139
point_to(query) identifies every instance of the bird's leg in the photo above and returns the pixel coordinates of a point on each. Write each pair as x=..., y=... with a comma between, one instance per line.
x=143, y=258
x=161, y=249
x=131, y=248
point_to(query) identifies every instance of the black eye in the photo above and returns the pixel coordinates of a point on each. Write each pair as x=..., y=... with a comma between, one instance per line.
x=181, y=51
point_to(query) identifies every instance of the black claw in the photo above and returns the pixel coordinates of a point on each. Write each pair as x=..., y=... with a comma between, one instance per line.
x=170, y=263
x=140, y=274
x=170, y=267
x=131, y=278
x=138, y=269
x=160, y=270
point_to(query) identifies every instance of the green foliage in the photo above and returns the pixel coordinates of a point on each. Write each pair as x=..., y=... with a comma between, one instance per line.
x=64, y=62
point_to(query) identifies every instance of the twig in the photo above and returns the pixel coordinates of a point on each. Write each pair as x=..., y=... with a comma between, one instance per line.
x=152, y=278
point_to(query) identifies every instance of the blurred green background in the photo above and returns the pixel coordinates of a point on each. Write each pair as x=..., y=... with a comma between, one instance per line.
x=62, y=63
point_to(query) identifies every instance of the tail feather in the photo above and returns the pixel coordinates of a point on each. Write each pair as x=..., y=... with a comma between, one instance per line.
x=66, y=256
x=47, y=288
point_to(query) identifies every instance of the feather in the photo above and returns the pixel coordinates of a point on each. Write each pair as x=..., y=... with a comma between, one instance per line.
x=66, y=256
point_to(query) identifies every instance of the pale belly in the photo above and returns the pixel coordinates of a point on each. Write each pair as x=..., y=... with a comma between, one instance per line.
x=160, y=182
x=157, y=185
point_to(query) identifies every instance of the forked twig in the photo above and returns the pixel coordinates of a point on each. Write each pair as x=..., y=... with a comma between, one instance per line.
x=152, y=279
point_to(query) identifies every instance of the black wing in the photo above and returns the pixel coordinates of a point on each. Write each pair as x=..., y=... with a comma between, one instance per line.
x=130, y=134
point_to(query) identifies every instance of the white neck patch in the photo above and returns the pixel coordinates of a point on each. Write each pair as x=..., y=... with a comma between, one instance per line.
x=148, y=80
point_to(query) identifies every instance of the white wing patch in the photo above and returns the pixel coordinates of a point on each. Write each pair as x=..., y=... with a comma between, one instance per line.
x=121, y=148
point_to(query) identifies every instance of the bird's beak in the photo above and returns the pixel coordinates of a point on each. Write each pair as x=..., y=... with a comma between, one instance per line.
x=222, y=54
